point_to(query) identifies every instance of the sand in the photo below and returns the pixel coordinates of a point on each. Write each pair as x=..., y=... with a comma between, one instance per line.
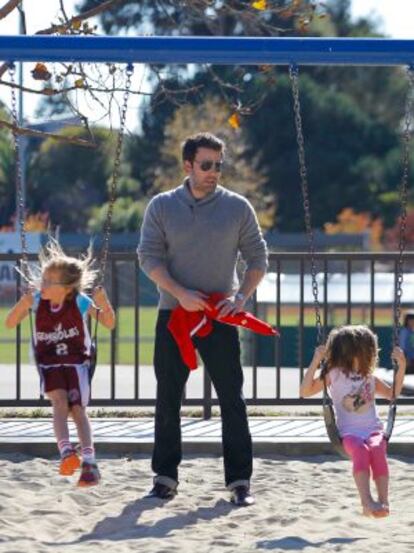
x=301, y=505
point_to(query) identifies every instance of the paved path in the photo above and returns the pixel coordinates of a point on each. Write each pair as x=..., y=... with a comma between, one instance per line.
x=124, y=382
x=278, y=435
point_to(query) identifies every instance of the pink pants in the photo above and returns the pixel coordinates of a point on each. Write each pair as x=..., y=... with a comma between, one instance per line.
x=369, y=453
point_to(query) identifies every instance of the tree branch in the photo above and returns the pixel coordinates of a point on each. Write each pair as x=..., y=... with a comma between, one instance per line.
x=64, y=26
x=62, y=9
x=8, y=8
x=81, y=17
x=23, y=131
x=56, y=92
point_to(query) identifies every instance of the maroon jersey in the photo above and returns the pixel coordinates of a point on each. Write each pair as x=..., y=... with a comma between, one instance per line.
x=62, y=337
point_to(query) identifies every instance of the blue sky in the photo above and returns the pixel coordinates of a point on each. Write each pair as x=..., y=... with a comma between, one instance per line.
x=396, y=17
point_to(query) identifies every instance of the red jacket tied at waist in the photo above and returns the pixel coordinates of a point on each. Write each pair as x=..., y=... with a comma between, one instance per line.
x=183, y=325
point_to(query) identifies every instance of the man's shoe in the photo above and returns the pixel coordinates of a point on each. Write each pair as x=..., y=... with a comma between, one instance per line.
x=162, y=491
x=241, y=496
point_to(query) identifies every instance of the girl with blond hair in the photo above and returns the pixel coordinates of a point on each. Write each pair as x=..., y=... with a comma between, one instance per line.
x=63, y=347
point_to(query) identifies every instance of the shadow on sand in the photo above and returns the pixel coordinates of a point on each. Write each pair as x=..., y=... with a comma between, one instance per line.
x=295, y=543
x=126, y=525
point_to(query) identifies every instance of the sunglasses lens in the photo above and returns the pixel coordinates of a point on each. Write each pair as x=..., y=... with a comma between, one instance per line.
x=208, y=165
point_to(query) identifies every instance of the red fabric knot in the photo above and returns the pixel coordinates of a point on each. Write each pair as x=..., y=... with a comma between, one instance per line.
x=183, y=325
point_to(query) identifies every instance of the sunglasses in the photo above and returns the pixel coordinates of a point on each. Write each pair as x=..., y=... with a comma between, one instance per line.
x=45, y=283
x=207, y=165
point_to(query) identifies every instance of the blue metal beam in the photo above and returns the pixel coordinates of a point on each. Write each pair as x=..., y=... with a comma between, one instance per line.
x=217, y=50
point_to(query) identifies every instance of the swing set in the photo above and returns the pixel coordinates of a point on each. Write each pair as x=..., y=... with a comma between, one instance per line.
x=292, y=52
x=103, y=254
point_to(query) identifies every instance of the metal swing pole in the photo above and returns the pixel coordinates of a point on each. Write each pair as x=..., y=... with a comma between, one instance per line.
x=217, y=50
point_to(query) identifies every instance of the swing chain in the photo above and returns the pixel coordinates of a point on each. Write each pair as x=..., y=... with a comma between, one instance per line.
x=294, y=77
x=20, y=216
x=403, y=195
x=115, y=175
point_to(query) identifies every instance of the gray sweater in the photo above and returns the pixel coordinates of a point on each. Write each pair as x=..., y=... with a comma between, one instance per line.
x=198, y=241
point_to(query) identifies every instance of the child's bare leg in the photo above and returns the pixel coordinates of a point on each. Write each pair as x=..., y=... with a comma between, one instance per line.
x=60, y=408
x=84, y=432
x=382, y=488
x=90, y=475
x=359, y=453
x=369, y=506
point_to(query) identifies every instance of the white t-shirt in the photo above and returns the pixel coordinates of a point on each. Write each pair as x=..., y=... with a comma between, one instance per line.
x=353, y=398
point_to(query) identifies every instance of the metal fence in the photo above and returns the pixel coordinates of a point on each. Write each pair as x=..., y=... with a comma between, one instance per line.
x=273, y=368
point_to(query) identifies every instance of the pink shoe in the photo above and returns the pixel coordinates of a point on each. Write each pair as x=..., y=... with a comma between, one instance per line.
x=89, y=476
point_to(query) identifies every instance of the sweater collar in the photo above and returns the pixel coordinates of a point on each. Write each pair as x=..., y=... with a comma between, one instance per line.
x=185, y=194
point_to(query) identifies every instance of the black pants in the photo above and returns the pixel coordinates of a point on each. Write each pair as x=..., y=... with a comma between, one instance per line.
x=220, y=352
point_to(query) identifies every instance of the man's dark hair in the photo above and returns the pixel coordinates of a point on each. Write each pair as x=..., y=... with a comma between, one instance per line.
x=201, y=140
x=409, y=316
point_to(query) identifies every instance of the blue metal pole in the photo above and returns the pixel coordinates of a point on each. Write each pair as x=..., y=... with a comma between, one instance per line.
x=217, y=50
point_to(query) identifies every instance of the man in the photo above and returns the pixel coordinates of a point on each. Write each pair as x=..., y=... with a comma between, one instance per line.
x=191, y=237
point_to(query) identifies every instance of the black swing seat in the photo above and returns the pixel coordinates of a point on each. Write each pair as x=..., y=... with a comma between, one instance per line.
x=94, y=347
x=93, y=360
x=331, y=428
x=392, y=412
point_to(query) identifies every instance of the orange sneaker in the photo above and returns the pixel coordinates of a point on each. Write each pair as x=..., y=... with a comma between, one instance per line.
x=90, y=475
x=69, y=463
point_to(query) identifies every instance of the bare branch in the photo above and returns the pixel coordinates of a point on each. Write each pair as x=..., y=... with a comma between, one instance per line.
x=8, y=8
x=81, y=17
x=22, y=131
x=4, y=11
x=64, y=26
x=56, y=92
x=3, y=69
x=62, y=9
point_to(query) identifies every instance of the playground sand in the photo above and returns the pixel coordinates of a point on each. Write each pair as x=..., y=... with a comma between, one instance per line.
x=302, y=504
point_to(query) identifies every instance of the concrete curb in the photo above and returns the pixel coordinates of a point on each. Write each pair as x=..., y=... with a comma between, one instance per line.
x=286, y=436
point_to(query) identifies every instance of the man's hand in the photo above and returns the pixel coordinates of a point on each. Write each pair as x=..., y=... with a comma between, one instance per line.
x=192, y=300
x=228, y=306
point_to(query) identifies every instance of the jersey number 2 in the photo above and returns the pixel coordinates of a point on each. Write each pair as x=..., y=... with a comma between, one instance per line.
x=61, y=349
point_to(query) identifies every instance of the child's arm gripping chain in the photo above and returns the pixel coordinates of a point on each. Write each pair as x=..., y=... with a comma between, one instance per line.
x=19, y=311
x=105, y=310
x=385, y=390
x=312, y=385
